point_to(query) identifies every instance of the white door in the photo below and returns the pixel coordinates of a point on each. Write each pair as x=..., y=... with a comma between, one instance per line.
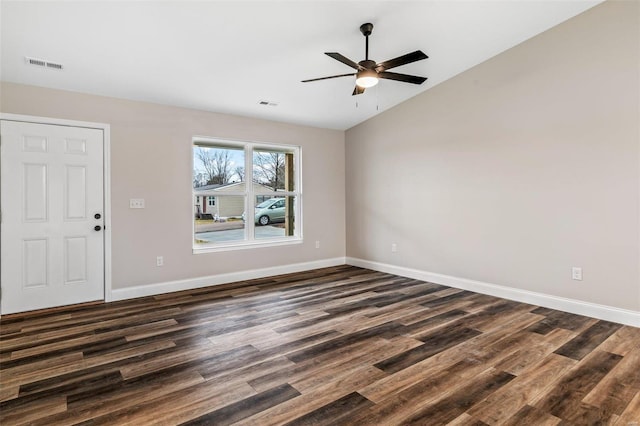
x=52, y=244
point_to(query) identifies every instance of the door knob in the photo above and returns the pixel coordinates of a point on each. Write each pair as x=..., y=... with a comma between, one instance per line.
x=97, y=227
x=97, y=216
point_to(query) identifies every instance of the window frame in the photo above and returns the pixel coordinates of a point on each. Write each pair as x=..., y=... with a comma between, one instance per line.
x=250, y=195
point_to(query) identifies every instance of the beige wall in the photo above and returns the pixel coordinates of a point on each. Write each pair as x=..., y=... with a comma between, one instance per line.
x=516, y=170
x=151, y=159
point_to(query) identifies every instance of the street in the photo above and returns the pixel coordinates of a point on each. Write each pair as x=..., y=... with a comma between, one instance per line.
x=217, y=232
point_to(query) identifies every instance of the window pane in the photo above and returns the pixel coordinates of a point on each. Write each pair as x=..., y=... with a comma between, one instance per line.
x=274, y=217
x=216, y=166
x=274, y=169
x=222, y=223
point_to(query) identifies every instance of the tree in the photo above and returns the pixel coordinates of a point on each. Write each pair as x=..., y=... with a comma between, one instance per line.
x=269, y=169
x=217, y=165
x=199, y=179
x=239, y=171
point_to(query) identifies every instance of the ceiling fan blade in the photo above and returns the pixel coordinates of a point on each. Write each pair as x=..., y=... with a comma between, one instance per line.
x=402, y=77
x=358, y=90
x=344, y=60
x=331, y=76
x=418, y=55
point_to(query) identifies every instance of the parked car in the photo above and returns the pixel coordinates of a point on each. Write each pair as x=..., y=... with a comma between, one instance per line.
x=269, y=211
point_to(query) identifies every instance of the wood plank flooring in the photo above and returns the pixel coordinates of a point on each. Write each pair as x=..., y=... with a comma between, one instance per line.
x=335, y=346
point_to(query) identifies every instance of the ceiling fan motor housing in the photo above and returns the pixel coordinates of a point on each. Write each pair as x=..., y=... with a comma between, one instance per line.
x=368, y=64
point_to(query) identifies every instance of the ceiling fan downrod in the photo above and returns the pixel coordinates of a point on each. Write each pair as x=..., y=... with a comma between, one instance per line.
x=366, y=30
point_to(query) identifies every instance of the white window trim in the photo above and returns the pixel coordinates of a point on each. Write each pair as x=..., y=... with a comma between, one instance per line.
x=249, y=229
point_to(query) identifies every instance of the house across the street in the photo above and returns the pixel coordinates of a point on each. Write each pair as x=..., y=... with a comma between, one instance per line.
x=214, y=201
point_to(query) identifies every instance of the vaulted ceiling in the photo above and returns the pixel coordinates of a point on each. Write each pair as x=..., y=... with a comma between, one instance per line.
x=228, y=56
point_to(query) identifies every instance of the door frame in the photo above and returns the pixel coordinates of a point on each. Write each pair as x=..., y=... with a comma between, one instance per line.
x=106, y=153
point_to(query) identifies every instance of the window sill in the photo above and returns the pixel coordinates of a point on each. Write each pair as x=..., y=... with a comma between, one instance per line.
x=243, y=245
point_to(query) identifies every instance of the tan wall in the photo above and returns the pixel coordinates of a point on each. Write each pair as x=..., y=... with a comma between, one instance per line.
x=516, y=170
x=151, y=158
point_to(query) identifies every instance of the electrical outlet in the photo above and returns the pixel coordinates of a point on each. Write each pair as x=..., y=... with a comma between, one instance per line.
x=317, y=244
x=576, y=273
x=394, y=248
x=136, y=203
x=159, y=261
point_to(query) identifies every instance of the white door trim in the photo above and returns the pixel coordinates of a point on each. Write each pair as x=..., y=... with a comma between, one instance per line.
x=106, y=182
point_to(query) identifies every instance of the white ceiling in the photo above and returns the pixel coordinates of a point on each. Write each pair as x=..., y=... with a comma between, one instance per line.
x=227, y=56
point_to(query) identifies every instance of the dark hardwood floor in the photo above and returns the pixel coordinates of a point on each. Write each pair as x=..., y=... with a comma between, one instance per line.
x=334, y=346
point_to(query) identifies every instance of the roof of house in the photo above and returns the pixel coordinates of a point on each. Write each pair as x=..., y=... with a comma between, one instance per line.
x=209, y=189
x=213, y=186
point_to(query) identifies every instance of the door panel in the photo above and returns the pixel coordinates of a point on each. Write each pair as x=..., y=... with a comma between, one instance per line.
x=35, y=271
x=51, y=187
x=75, y=259
x=35, y=192
x=75, y=195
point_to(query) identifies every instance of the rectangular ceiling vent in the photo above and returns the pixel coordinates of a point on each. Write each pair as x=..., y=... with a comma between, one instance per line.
x=42, y=63
x=54, y=65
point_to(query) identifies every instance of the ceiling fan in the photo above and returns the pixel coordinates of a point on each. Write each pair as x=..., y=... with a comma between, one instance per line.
x=368, y=71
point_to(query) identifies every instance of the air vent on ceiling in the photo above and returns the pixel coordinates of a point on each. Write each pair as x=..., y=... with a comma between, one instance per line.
x=42, y=63
x=268, y=103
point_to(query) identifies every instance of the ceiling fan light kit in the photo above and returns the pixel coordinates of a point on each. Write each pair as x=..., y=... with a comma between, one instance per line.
x=366, y=78
x=369, y=72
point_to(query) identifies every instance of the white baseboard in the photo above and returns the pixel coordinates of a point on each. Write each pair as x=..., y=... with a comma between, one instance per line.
x=579, y=307
x=573, y=306
x=191, y=283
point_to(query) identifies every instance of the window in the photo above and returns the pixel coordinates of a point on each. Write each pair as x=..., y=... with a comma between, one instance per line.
x=241, y=177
